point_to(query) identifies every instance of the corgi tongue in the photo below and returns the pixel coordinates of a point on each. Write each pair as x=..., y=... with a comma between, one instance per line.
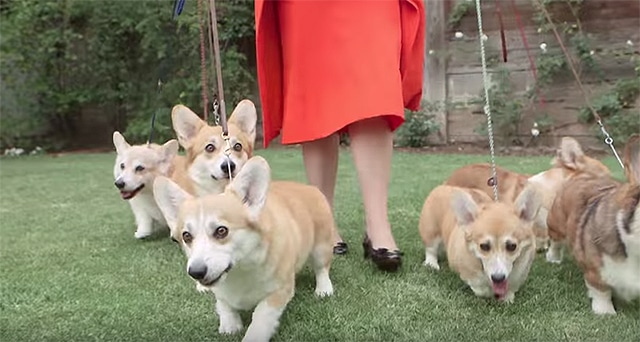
x=500, y=289
x=127, y=194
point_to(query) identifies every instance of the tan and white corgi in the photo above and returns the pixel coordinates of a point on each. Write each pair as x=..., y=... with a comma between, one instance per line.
x=490, y=244
x=207, y=165
x=247, y=243
x=598, y=217
x=569, y=160
x=135, y=169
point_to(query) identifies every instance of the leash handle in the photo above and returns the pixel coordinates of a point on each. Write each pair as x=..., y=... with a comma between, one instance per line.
x=216, y=50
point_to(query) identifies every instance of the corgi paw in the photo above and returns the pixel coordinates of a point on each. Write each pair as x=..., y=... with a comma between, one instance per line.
x=509, y=298
x=324, y=287
x=140, y=234
x=431, y=261
x=602, y=307
x=322, y=294
x=324, y=291
x=201, y=288
x=553, y=257
x=229, y=327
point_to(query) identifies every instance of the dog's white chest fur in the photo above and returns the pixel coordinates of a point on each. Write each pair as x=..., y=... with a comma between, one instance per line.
x=622, y=276
x=145, y=203
x=245, y=286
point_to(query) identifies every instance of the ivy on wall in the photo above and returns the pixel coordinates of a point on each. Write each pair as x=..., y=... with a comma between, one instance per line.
x=615, y=104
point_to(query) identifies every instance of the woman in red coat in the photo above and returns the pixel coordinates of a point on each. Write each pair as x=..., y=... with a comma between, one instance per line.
x=332, y=66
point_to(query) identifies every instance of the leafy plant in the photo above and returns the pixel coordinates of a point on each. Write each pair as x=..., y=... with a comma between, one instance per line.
x=506, y=107
x=616, y=109
x=459, y=11
x=418, y=126
x=110, y=55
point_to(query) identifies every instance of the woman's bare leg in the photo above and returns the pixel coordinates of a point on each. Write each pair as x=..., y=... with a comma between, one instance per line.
x=372, y=148
x=321, y=164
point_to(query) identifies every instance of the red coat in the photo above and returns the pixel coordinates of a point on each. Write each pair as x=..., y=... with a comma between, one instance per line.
x=270, y=65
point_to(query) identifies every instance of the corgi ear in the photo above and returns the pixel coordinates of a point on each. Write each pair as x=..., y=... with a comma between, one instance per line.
x=528, y=203
x=169, y=197
x=170, y=149
x=570, y=154
x=252, y=184
x=245, y=117
x=631, y=159
x=464, y=207
x=119, y=142
x=166, y=154
x=186, y=124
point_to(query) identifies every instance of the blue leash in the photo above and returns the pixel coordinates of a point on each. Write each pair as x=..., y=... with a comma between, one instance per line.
x=178, y=5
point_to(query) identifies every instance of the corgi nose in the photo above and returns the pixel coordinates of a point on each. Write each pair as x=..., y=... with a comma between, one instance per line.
x=227, y=165
x=119, y=184
x=498, y=278
x=197, y=272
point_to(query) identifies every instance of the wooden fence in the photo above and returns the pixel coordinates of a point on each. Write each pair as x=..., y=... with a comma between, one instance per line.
x=453, y=66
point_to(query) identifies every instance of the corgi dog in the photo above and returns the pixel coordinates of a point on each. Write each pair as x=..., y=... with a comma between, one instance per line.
x=490, y=244
x=135, y=169
x=208, y=168
x=247, y=243
x=598, y=218
x=569, y=160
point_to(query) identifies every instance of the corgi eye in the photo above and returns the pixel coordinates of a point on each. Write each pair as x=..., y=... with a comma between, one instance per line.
x=209, y=148
x=511, y=246
x=122, y=166
x=221, y=232
x=485, y=246
x=139, y=168
x=237, y=147
x=187, y=237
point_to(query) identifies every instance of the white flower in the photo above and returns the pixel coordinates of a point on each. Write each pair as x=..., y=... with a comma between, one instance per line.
x=629, y=42
x=459, y=34
x=539, y=29
x=591, y=52
x=543, y=47
x=535, y=131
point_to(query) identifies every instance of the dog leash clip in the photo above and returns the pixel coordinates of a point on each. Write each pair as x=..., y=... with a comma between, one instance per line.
x=227, y=153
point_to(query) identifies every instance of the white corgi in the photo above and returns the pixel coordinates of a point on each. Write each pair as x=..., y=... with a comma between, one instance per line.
x=247, y=243
x=135, y=169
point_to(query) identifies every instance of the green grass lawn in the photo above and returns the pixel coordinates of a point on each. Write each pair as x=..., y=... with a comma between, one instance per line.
x=71, y=269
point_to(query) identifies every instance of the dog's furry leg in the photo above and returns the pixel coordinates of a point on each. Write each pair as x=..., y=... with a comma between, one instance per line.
x=601, y=303
x=509, y=297
x=266, y=316
x=479, y=287
x=321, y=258
x=431, y=254
x=230, y=321
x=144, y=221
x=554, y=253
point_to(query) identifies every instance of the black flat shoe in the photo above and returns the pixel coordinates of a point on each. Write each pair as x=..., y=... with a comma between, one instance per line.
x=340, y=248
x=386, y=260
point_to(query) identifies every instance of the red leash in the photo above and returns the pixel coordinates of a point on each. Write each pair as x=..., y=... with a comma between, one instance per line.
x=526, y=46
x=502, y=37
